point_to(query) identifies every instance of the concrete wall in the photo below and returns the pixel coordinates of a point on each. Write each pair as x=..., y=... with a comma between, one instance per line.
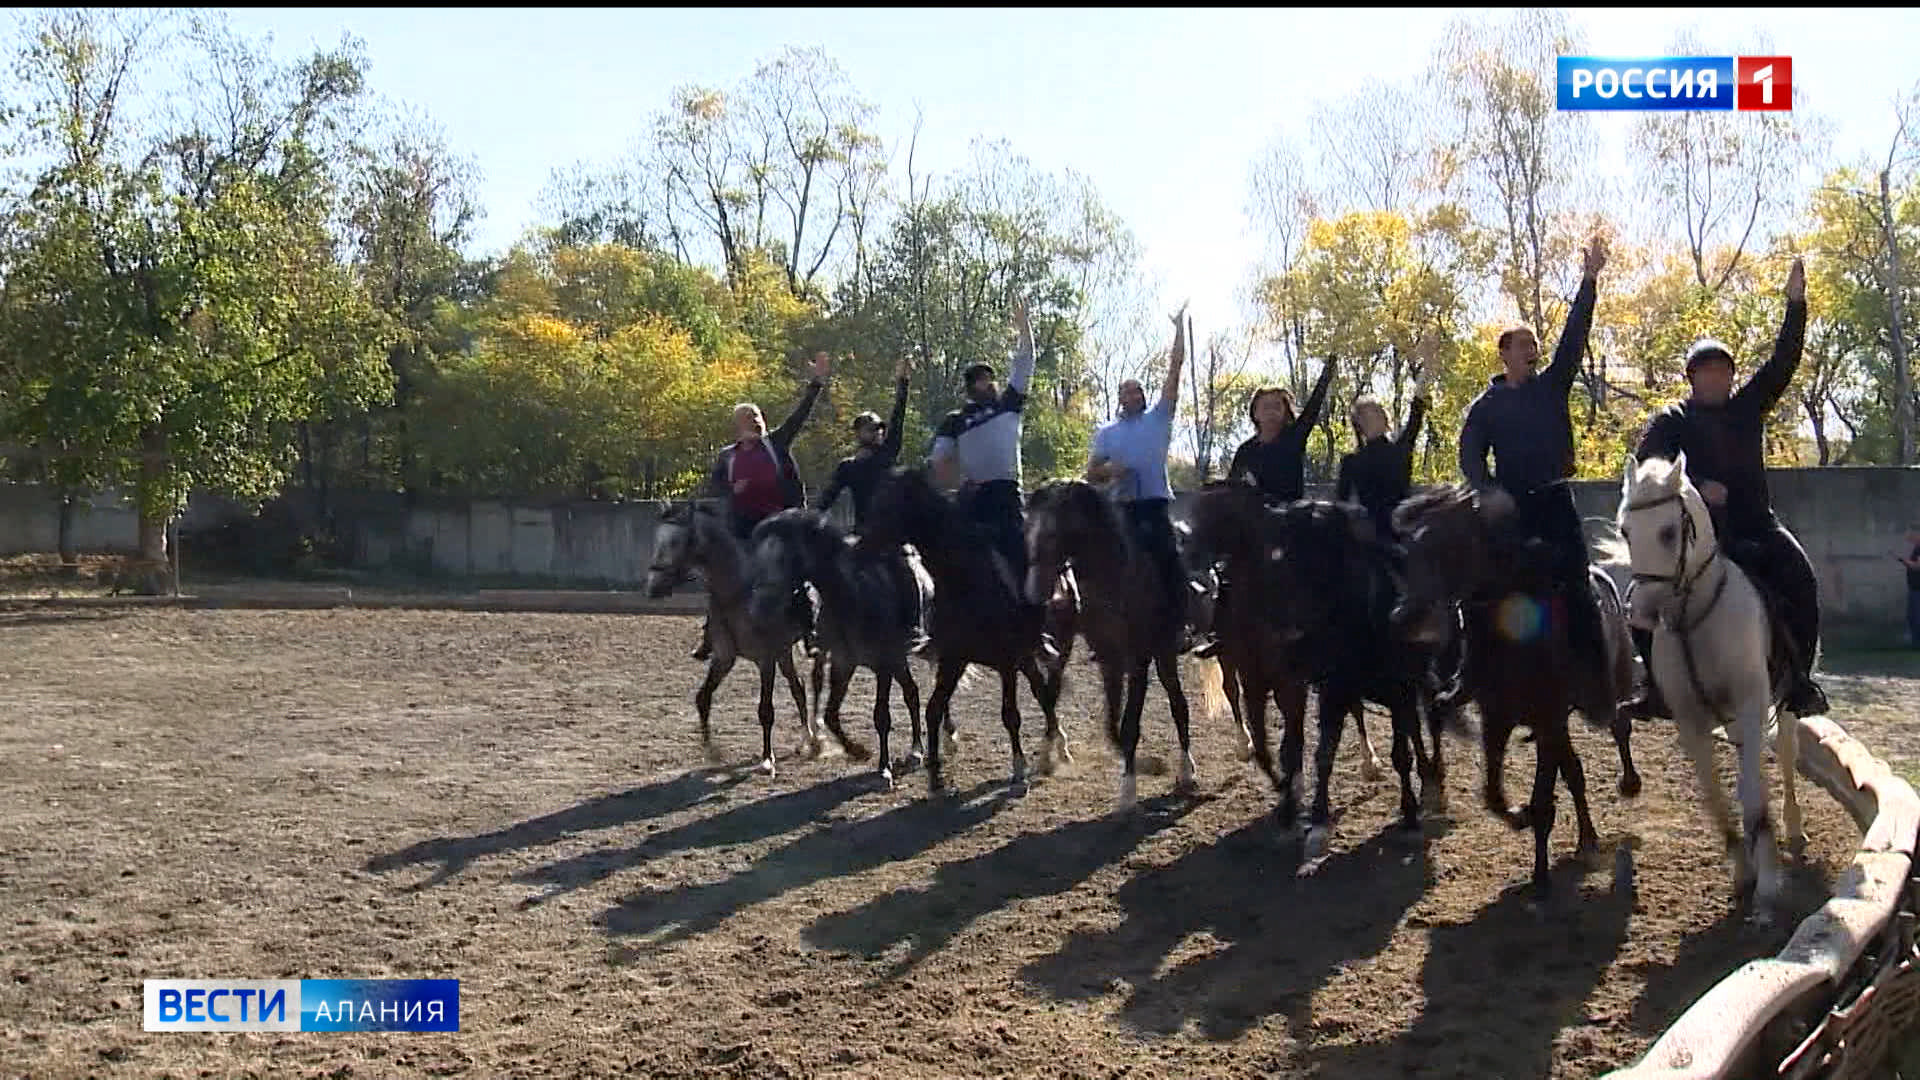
x=1850, y=520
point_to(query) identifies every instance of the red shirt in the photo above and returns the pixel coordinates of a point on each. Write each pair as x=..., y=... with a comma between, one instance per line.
x=753, y=464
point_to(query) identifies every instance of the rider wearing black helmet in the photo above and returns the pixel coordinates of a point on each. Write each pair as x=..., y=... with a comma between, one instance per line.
x=860, y=473
x=1723, y=433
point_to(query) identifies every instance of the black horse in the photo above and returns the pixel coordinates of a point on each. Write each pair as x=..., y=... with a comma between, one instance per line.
x=1131, y=621
x=1521, y=664
x=1231, y=523
x=974, y=618
x=1333, y=589
x=865, y=619
x=695, y=534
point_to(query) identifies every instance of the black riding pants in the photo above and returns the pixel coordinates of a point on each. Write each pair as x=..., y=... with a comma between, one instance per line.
x=1152, y=523
x=1548, y=513
x=995, y=509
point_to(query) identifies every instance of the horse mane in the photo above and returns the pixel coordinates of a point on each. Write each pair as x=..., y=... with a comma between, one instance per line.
x=1417, y=509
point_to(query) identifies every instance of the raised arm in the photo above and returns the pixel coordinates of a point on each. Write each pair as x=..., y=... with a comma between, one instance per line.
x=1573, y=336
x=890, y=443
x=783, y=435
x=1422, y=392
x=1022, y=373
x=1170, y=389
x=1764, y=390
x=1317, y=401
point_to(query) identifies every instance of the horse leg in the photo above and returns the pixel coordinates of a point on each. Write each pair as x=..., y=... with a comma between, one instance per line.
x=1622, y=738
x=1334, y=706
x=816, y=678
x=766, y=718
x=1113, y=690
x=1435, y=722
x=910, y=691
x=1256, y=705
x=717, y=669
x=1406, y=744
x=1130, y=731
x=1786, y=752
x=1762, y=855
x=1046, y=691
x=1230, y=685
x=1010, y=717
x=842, y=675
x=883, y=720
x=1546, y=770
x=1575, y=776
x=1496, y=730
x=1168, y=666
x=1291, y=697
x=1369, y=758
x=813, y=745
x=939, y=702
x=1698, y=744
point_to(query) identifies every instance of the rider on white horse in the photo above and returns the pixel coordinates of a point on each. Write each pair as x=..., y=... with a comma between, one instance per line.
x=1723, y=434
x=1523, y=418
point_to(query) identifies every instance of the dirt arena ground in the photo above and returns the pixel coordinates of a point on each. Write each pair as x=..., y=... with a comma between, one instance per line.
x=519, y=802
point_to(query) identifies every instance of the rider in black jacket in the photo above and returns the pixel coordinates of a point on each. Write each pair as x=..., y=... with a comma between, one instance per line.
x=1723, y=434
x=1378, y=474
x=1524, y=420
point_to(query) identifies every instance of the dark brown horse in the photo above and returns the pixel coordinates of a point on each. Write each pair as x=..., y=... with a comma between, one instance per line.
x=1131, y=621
x=1521, y=664
x=974, y=618
x=1230, y=522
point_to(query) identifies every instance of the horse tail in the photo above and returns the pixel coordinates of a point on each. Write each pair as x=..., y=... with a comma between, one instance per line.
x=1205, y=675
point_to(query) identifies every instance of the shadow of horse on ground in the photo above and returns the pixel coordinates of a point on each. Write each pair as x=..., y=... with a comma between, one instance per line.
x=1278, y=937
x=643, y=803
x=761, y=819
x=963, y=891
x=1501, y=989
x=665, y=917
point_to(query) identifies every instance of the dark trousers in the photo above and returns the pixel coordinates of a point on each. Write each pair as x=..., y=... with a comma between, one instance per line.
x=1771, y=556
x=1152, y=523
x=1549, y=514
x=1913, y=617
x=994, y=508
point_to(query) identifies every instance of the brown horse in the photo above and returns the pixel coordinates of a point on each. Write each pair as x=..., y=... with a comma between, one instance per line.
x=1129, y=617
x=1520, y=661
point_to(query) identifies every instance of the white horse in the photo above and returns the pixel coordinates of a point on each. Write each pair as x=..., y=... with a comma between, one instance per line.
x=1712, y=640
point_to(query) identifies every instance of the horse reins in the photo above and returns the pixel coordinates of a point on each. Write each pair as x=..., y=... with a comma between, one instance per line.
x=1683, y=584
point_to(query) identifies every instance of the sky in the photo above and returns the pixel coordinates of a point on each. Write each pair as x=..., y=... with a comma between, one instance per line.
x=1164, y=109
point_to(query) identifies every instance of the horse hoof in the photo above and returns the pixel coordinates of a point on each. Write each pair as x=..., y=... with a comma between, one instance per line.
x=886, y=779
x=1128, y=795
x=949, y=744
x=714, y=756
x=1370, y=772
x=1630, y=786
x=1019, y=770
x=1315, y=851
x=1063, y=751
x=856, y=751
x=1246, y=752
x=766, y=768
x=914, y=760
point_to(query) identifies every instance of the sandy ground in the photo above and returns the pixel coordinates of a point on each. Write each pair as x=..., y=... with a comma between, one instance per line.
x=518, y=801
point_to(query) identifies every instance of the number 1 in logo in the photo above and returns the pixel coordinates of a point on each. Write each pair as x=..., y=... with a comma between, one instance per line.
x=1765, y=83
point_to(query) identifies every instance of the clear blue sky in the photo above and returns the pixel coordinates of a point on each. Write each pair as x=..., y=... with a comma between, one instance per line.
x=1163, y=109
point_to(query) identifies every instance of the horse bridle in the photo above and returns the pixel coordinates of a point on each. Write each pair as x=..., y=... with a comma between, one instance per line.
x=1682, y=581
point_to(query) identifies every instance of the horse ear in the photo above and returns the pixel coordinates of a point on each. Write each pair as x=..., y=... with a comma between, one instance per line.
x=1626, y=479
x=1679, y=472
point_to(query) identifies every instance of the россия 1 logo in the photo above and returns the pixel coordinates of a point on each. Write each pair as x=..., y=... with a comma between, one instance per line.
x=1720, y=83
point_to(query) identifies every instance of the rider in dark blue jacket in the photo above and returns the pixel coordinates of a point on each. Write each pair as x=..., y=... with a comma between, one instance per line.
x=1524, y=420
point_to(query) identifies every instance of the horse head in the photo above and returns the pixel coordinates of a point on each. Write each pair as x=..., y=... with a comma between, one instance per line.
x=1224, y=519
x=1065, y=518
x=1668, y=531
x=1446, y=537
x=906, y=509
x=1313, y=580
x=676, y=539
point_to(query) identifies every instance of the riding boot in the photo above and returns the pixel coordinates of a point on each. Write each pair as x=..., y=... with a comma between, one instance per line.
x=1648, y=703
x=1784, y=565
x=705, y=649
